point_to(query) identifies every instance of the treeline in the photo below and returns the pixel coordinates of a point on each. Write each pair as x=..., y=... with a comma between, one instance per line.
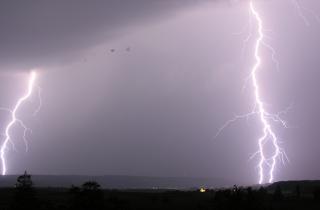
x=261, y=198
x=90, y=196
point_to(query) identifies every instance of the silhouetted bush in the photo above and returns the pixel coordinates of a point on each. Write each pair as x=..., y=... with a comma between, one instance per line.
x=89, y=196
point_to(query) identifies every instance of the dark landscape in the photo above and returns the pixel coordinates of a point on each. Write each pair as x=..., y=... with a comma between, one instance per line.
x=25, y=194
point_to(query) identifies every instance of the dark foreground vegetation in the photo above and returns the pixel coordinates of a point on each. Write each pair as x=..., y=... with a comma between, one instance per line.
x=285, y=195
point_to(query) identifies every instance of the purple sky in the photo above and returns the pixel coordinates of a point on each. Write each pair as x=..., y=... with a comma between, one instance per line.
x=154, y=110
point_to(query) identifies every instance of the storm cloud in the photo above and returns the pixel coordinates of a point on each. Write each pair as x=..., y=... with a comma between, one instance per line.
x=50, y=30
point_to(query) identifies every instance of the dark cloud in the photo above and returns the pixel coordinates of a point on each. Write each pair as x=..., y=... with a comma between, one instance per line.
x=39, y=32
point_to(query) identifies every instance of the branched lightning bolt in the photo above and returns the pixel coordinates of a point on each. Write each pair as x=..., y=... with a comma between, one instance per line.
x=268, y=133
x=15, y=120
x=266, y=163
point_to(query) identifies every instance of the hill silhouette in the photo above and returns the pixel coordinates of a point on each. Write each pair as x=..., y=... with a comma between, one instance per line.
x=306, y=186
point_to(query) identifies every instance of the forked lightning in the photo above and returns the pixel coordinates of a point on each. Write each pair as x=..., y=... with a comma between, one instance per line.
x=15, y=120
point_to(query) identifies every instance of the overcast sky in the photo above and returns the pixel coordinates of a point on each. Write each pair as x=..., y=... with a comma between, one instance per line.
x=153, y=106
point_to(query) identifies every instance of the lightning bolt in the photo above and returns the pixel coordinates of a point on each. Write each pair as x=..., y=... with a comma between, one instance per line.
x=265, y=117
x=15, y=120
x=267, y=163
x=268, y=133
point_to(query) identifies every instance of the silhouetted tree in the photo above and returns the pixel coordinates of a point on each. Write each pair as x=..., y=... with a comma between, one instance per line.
x=250, y=195
x=316, y=193
x=277, y=195
x=24, y=182
x=298, y=192
x=262, y=194
x=24, y=195
x=237, y=193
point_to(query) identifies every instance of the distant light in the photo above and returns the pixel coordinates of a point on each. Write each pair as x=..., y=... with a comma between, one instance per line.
x=202, y=190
